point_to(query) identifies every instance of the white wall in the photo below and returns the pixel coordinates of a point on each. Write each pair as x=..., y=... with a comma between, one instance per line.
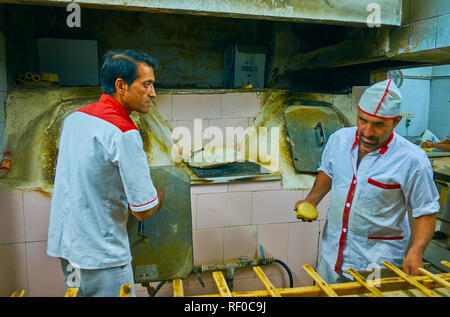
x=426, y=93
x=229, y=220
x=416, y=98
x=439, y=118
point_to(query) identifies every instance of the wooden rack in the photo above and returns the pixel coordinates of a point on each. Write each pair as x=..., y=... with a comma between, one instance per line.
x=428, y=285
x=361, y=286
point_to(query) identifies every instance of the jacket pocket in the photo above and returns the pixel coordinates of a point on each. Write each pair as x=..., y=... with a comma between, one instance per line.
x=385, y=238
x=378, y=199
x=382, y=185
x=386, y=248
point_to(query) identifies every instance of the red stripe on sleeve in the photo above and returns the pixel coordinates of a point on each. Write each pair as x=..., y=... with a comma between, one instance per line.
x=145, y=203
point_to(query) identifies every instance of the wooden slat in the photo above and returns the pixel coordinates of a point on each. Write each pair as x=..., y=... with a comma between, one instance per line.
x=410, y=280
x=18, y=293
x=434, y=277
x=343, y=289
x=71, y=292
x=361, y=280
x=446, y=263
x=125, y=290
x=267, y=284
x=322, y=284
x=221, y=284
x=178, y=288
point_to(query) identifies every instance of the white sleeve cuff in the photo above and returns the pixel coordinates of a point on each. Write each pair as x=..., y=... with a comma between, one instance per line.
x=322, y=168
x=429, y=209
x=145, y=206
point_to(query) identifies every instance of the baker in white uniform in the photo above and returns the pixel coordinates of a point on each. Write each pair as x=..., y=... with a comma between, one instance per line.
x=375, y=176
x=102, y=176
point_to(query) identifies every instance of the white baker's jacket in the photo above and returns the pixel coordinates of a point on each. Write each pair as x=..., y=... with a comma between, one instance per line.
x=367, y=221
x=102, y=170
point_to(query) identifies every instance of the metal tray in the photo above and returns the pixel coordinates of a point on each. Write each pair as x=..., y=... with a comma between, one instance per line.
x=308, y=129
x=163, y=250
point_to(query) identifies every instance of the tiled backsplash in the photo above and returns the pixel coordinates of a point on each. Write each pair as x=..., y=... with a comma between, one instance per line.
x=416, y=99
x=220, y=110
x=425, y=93
x=439, y=118
x=229, y=221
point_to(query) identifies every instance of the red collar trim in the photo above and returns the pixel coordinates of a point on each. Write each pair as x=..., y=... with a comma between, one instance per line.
x=356, y=139
x=109, y=109
x=104, y=98
x=385, y=147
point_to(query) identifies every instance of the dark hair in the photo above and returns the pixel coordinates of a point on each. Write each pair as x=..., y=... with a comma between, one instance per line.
x=123, y=64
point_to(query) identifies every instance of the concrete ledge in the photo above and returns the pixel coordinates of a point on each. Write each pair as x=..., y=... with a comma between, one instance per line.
x=329, y=11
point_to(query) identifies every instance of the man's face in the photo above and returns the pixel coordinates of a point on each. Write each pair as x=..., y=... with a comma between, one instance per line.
x=139, y=95
x=374, y=132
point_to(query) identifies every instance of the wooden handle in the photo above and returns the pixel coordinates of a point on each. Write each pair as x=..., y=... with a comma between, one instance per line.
x=410, y=280
x=322, y=284
x=221, y=284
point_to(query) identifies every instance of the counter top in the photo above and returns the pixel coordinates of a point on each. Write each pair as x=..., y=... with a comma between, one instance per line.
x=441, y=167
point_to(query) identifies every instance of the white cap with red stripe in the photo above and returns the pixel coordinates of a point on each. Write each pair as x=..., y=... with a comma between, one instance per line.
x=382, y=100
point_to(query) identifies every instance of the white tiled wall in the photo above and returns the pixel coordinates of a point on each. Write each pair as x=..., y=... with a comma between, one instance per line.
x=216, y=110
x=428, y=97
x=416, y=99
x=439, y=118
x=229, y=220
x=23, y=241
x=233, y=220
x=186, y=107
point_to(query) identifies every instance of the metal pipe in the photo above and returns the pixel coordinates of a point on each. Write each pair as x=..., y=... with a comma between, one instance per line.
x=230, y=267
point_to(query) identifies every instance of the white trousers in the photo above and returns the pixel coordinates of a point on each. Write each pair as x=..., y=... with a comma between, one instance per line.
x=98, y=283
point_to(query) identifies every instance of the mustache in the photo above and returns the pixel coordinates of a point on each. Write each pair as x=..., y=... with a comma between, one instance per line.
x=371, y=138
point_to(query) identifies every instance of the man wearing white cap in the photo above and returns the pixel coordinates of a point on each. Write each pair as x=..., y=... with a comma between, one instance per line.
x=375, y=176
